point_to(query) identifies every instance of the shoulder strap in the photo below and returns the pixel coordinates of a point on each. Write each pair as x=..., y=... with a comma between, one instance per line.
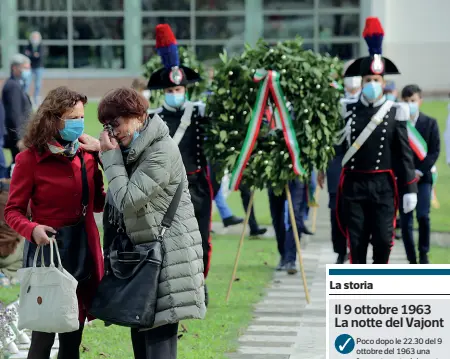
x=376, y=119
x=184, y=123
x=172, y=209
x=84, y=186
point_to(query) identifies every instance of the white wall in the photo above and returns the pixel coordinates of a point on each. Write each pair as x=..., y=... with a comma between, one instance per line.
x=417, y=39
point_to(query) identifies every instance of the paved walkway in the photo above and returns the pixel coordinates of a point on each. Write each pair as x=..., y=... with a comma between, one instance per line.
x=284, y=326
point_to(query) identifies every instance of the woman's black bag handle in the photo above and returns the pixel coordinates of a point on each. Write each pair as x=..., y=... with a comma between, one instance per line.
x=85, y=187
x=171, y=210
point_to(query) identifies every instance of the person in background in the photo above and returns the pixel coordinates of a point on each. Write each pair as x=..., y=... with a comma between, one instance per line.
x=390, y=91
x=375, y=142
x=144, y=168
x=425, y=143
x=17, y=103
x=47, y=177
x=3, y=167
x=36, y=52
x=141, y=86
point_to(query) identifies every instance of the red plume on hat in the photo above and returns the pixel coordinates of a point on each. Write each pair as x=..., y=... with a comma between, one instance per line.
x=373, y=34
x=166, y=46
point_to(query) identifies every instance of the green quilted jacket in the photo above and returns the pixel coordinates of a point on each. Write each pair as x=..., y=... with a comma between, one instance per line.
x=143, y=198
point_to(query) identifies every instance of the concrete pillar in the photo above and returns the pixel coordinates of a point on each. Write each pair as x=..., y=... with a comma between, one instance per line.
x=8, y=31
x=254, y=21
x=133, y=35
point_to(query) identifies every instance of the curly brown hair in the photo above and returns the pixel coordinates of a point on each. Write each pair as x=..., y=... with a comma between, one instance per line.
x=44, y=125
x=122, y=102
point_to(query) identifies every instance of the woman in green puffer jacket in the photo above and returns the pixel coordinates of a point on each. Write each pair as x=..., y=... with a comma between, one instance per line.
x=143, y=167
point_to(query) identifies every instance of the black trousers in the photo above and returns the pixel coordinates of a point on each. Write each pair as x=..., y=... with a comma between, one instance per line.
x=367, y=211
x=200, y=190
x=337, y=237
x=158, y=343
x=276, y=204
x=69, y=344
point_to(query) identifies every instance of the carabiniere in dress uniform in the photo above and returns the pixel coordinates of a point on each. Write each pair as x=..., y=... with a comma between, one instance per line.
x=184, y=119
x=374, y=136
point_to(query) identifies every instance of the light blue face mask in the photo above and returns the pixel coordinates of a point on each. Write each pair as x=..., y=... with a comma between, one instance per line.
x=26, y=74
x=413, y=108
x=372, y=90
x=391, y=97
x=135, y=136
x=174, y=99
x=72, y=130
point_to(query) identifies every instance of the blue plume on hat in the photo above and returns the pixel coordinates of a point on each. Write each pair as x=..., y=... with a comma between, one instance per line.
x=373, y=34
x=166, y=46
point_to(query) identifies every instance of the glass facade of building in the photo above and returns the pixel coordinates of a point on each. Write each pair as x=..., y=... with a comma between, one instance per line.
x=116, y=36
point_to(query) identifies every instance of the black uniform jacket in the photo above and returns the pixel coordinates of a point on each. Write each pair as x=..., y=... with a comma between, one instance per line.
x=191, y=145
x=387, y=145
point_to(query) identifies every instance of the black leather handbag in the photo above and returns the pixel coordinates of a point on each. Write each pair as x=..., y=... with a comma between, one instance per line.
x=72, y=240
x=127, y=293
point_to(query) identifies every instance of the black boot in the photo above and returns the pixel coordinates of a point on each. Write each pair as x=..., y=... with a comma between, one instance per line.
x=342, y=258
x=258, y=232
x=232, y=221
x=306, y=231
x=423, y=258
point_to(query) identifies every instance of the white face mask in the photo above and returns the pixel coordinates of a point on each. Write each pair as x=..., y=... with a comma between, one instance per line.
x=352, y=83
x=146, y=94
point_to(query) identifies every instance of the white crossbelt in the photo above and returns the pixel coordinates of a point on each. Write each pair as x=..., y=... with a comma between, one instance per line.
x=364, y=135
x=184, y=123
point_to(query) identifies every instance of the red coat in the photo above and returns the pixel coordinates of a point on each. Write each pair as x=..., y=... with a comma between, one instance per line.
x=52, y=184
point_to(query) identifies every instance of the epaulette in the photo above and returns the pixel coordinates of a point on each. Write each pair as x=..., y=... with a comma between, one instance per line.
x=402, y=111
x=152, y=111
x=201, y=107
x=346, y=108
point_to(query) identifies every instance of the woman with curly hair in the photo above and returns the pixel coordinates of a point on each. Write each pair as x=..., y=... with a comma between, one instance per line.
x=49, y=177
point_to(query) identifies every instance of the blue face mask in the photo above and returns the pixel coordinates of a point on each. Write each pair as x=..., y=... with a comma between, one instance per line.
x=372, y=90
x=72, y=130
x=26, y=74
x=126, y=149
x=174, y=99
x=391, y=97
x=413, y=108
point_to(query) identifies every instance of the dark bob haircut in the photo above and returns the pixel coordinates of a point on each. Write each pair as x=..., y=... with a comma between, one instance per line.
x=411, y=90
x=122, y=102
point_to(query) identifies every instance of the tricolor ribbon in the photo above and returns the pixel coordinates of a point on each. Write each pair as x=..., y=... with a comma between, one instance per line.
x=417, y=142
x=270, y=85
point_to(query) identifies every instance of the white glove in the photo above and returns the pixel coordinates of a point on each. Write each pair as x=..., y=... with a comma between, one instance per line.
x=409, y=202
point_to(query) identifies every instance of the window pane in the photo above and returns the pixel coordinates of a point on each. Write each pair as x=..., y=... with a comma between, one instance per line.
x=220, y=4
x=222, y=27
x=98, y=5
x=51, y=28
x=89, y=28
x=286, y=27
x=338, y=25
x=210, y=52
x=340, y=3
x=344, y=51
x=147, y=53
x=181, y=26
x=55, y=57
x=288, y=4
x=98, y=57
x=158, y=5
x=51, y=5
